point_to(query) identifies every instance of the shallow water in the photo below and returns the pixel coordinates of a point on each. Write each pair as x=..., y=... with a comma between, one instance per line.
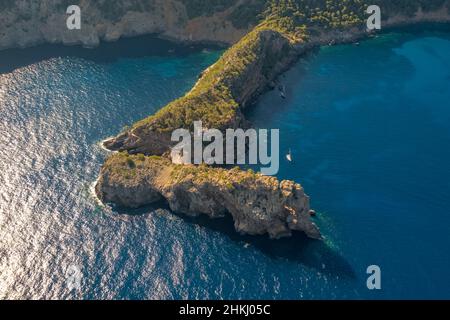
x=368, y=128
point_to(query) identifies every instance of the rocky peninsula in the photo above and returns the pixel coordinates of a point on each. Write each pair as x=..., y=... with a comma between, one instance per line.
x=257, y=204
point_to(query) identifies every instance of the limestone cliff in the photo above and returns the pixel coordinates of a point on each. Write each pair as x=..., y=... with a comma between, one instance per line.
x=258, y=204
x=26, y=23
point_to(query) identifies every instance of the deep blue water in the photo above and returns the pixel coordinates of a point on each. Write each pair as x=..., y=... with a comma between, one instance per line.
x=368, y=128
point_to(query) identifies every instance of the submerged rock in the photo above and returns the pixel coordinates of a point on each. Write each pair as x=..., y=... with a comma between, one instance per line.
x=258, y=204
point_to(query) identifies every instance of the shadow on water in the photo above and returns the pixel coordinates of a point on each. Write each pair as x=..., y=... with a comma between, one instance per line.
x=288, y=81
x=297, y=249
x=106, y=52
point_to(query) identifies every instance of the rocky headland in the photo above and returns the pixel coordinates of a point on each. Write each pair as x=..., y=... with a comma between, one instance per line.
x=257, y=203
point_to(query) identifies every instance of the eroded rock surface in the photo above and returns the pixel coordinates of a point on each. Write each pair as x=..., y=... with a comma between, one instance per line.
x=26, y=23
x=258, y=204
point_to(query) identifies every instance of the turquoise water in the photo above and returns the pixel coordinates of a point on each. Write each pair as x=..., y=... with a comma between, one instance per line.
x=368, y=128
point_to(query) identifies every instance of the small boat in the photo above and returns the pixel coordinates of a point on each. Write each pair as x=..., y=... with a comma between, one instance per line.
x=289, y=156
x=282, y=90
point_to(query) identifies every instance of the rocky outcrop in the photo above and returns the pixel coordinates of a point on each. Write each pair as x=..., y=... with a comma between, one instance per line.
x=258, y=204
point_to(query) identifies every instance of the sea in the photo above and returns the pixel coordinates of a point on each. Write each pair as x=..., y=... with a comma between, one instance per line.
x=368, y=128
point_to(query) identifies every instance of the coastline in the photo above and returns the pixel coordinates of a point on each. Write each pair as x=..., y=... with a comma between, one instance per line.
x=132, y=140
x=246, y=70
x=366, y=124
x=145, y=137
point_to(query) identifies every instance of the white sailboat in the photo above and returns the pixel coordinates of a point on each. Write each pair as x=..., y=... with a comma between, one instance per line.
x=289, y=156
x=282, y=90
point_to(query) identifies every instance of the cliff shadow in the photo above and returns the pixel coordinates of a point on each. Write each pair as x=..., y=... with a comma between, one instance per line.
x=105, y=52
x=277, y=98
x=296, y=249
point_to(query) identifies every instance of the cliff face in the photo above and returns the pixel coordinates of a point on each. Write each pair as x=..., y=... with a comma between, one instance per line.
x=26, y=23
x=258, y=204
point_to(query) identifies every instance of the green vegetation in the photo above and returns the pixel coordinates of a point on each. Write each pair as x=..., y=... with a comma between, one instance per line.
x=213, y=100
x=294, y=17
x=248, y=14
x=131, y=163
x=332, y=13
x=162, y=169
x=228, y=179
x=216, y=98
x=129, y=167
x=284, y=13
x=141, y=157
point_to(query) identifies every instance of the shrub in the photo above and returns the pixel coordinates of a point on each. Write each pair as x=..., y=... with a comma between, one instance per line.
x=131, y=163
